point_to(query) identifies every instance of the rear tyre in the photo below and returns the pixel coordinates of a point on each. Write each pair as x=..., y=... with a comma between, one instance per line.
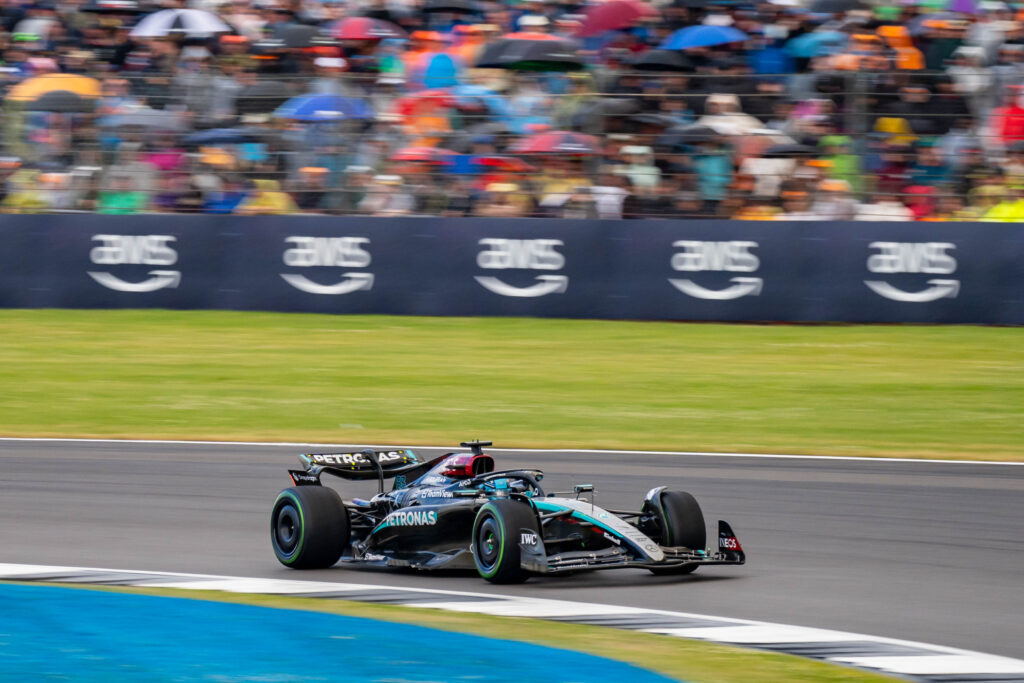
x=680, y=522
x=309, y=527
x=496, y=540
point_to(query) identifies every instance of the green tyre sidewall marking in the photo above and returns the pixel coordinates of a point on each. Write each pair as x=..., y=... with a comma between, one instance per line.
x=501, y=540
x=290, y=559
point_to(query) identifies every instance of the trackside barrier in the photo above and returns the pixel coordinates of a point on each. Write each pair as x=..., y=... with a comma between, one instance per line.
x=671, y=270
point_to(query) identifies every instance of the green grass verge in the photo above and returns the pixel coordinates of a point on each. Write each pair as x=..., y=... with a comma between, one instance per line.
x=688, y=660
x=847, y=390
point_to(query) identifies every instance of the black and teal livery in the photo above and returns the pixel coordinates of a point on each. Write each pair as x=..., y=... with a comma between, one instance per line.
x=455, y=511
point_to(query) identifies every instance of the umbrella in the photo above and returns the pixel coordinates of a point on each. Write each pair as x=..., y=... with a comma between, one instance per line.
x=296, y=35
x=503, y=163
x=616, y=14
x=661, y=120
x=424, y=102
x=531, y=55
x=426, y=155
x=817, y=44
x=918, y=25
x=836, y=6
x=963, y=6
x=662, y=60
x=557, y=142
x=191, y=22
x=261, y=97
x=112, y=6
x=63, y=102
x=689, y=134
x=702, y=36
x=144, y=117
x=220, y=136
x=453, y=6
x=323, y=108
x=529, y=35
x=786, y=151
x=34, y=88
x=441, y=72
x=365, y=28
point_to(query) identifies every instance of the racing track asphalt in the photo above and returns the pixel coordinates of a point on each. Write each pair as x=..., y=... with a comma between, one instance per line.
x=932, y=552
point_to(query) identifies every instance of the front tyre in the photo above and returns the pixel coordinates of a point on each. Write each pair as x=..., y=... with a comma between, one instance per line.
x=496, y=535
x=679, y=522
x=309, y=527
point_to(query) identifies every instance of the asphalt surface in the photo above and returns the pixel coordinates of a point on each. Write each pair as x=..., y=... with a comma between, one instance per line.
x=923, y=551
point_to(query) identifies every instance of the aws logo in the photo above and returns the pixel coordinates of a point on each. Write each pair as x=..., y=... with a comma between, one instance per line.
x=328, y=252
x=732, y=257
x=527, y=254
x=148, y=250
x=913, y=257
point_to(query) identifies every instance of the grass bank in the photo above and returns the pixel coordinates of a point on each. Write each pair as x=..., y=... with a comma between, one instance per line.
x=847, y=390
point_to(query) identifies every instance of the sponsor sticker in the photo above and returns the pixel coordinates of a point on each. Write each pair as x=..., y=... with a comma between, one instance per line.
x=357, y=458
x=410, y=518
x=729, y=543
x=528, y=538
x=435, y=493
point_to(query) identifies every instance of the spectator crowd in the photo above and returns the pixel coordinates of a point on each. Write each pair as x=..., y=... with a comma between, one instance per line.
x=773, y=110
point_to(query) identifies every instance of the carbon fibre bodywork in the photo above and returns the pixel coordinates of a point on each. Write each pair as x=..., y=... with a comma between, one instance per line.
x=426, y=520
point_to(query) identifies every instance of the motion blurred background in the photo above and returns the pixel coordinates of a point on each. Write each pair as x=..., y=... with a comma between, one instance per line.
x=788, y=109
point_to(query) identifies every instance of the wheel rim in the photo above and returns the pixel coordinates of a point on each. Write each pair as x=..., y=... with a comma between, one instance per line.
x=286, y=529
x=488, y=544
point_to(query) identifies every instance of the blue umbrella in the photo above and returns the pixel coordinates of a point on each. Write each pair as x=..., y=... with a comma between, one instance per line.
x=817, y=44
x=220, y=136
x=323, y=108
x=441, y=72
x=702, y=36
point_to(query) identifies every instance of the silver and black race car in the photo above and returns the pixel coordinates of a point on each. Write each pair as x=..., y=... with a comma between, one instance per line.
x=455, y=512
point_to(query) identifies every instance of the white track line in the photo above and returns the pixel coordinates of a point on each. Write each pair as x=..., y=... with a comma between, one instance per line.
x=929, y=660
x=595, y=451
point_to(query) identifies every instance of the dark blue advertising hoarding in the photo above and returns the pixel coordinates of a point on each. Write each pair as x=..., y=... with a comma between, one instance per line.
x=650, y=270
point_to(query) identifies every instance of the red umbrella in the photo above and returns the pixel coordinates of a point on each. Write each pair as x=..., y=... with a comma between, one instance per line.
x=510, y=164
x=424, y=102
x=529, y=35
x=365, y=28
x=558, y=142
x=609, y=16
x=428, y=155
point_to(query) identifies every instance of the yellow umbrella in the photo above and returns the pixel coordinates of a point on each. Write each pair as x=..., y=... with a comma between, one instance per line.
x=34, y=88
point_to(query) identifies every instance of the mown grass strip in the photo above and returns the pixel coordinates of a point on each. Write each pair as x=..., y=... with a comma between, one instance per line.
x=685, y=660
x=940, y=392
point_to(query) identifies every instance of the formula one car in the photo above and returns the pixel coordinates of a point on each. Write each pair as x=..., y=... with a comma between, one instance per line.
x=455, y=512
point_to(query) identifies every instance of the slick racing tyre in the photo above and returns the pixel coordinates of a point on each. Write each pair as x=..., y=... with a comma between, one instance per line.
x=680, y=523
x=309, y=527
x=496, y=534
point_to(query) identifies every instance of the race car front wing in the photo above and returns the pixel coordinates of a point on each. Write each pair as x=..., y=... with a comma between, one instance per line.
x=616, y=557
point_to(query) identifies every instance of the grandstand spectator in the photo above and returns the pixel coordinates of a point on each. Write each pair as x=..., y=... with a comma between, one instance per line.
x=885, y=206
x=387, y=196
x=902, y=99
x=505, y=200
x=121, y=195
x=796, y=206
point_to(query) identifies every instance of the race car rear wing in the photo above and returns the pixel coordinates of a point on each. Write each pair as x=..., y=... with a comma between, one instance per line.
x=356, y=466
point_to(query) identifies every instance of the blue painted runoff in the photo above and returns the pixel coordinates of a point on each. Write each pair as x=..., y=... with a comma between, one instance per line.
x=51, y=633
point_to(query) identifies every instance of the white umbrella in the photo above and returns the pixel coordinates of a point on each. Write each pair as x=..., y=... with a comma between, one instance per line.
x=190, y=22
